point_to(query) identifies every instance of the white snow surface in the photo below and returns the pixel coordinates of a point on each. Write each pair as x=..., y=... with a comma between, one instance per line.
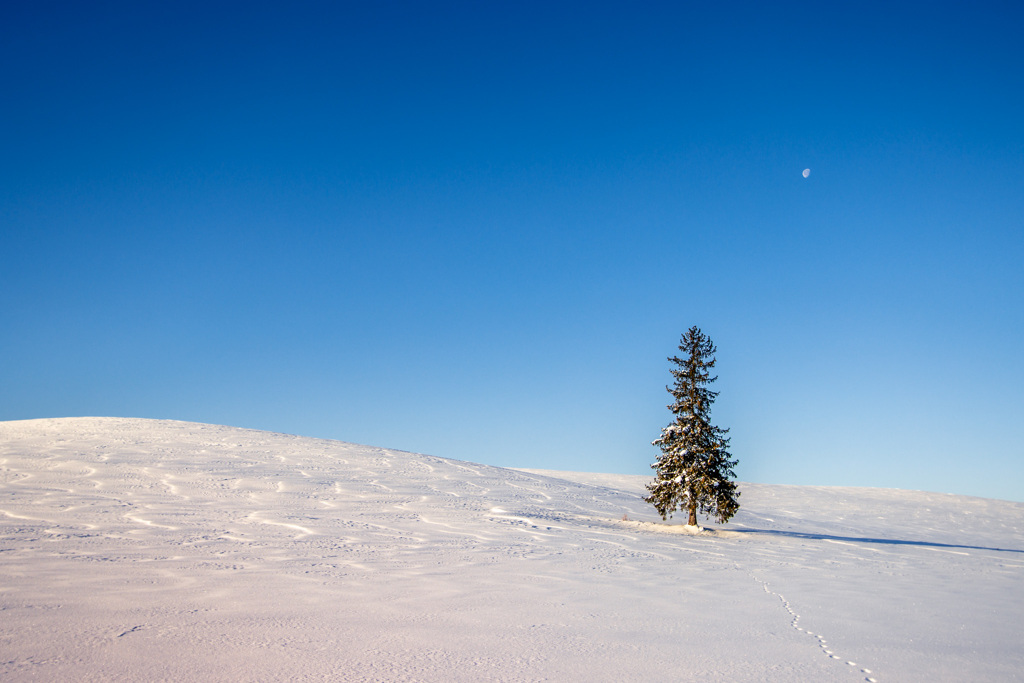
x=143, y=550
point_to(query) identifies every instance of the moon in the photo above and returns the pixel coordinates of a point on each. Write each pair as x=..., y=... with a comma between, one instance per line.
x=807, y=172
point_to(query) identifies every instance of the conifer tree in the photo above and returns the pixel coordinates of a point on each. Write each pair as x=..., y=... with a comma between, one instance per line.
x=694, y=470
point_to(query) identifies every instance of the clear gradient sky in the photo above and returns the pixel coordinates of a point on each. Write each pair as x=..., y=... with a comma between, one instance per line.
x=478, y=229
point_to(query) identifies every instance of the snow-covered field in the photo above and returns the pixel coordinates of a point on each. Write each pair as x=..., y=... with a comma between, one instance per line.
x=153, y=550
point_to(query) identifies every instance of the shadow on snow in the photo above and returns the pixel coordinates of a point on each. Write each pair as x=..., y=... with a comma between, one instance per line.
x=856, y=539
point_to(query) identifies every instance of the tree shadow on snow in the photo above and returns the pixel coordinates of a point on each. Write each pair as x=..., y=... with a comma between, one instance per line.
x=857, y=539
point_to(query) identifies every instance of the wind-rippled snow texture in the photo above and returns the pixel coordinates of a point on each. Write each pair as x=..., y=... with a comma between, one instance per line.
x=146, y=550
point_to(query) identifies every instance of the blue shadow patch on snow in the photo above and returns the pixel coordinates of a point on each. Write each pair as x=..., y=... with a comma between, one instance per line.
x=855, y=539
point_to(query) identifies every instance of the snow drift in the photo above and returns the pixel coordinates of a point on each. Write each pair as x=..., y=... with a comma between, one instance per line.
x=157, y=550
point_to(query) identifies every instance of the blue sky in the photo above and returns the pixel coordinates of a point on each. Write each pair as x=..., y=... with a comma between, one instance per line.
x=477, y=230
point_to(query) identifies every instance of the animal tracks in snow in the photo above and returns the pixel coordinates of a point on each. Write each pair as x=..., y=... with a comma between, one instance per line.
x=819, y=639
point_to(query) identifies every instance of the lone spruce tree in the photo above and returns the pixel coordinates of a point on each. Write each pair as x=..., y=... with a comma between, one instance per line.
x=694, y=469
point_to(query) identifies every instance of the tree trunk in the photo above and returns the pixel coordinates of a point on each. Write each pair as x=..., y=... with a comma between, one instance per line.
x=693, y=513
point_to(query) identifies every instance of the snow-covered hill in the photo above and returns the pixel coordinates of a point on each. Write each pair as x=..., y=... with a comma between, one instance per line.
x=156, y=550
